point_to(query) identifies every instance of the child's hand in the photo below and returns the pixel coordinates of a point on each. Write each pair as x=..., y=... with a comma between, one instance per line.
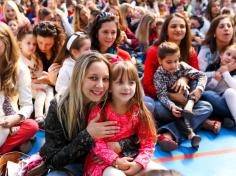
x=218, y=76
x=197, y=93
x=123, y=163
x=223, y=69
x=53, y=71
x=231, y=66
x=134, y=168
x=176, y=111
x=181, y=85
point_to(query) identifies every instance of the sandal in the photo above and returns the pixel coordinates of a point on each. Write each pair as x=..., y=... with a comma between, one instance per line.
x=166, y=144
x=212, y=125
x=195, y=141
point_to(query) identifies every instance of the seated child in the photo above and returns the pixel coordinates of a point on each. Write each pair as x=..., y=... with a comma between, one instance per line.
x=223, y=79
x=169, y=71
x=125, y=105
x=42, y=93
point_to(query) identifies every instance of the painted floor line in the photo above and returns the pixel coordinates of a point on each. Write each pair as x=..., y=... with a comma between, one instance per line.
x=196, y=155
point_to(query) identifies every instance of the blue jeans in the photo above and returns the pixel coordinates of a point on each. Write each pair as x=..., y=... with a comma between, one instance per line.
x=220, y=108
x=167, y=122
x=149, y=102
x=76, y=169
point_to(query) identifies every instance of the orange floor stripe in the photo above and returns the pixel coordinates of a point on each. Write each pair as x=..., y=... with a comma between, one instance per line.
x=196, y=155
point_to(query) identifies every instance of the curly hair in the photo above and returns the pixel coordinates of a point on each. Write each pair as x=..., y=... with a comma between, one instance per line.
x=8, y=62
x=50, y=29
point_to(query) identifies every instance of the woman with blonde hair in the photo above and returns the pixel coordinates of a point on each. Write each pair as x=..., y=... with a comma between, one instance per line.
x=11, y=12
x=68, y=136
x=15, y=85
x=146, y=32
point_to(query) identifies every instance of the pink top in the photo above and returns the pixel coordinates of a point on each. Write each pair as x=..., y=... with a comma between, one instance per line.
x=128, y=126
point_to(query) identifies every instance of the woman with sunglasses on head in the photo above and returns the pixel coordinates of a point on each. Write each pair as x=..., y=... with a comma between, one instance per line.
x=50, y=39
x=105, y=36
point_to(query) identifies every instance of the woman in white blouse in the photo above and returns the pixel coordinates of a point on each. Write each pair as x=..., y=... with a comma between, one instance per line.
x=15, y=84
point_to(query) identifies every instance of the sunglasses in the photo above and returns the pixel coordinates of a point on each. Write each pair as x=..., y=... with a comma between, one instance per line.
x=45, y=26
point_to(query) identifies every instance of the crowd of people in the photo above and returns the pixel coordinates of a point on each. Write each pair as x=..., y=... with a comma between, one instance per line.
x=108, y=80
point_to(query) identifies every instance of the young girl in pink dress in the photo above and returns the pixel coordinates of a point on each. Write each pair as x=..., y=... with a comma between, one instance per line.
x=125, y=105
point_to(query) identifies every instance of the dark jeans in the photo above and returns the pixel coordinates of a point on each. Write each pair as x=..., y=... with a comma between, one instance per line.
x=167, y=122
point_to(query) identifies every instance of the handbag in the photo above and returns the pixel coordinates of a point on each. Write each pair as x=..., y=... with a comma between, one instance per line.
x=17, y=157
x=10, y=156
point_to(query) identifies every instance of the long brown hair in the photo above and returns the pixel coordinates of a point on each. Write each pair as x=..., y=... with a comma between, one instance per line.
x=210, y=38
x=118, y=71
x=186, y=42
x=8, y=61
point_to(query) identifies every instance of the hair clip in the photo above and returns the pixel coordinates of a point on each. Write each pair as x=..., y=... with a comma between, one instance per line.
x=103, y=15
x=72, y=38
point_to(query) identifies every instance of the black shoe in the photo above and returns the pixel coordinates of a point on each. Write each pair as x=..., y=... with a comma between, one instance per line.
x=195, y=141
x=228, y=123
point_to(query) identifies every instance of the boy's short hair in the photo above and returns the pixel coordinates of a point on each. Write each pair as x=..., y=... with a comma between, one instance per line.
x=167, y=48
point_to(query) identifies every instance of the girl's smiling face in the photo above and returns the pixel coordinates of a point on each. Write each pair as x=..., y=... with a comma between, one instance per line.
x=10, y=13
x=229, y=56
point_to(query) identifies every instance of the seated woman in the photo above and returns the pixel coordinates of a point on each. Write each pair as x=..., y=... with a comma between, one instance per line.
x=219, y=37
x=178, y=32
x=105, y=35
x=16, y=87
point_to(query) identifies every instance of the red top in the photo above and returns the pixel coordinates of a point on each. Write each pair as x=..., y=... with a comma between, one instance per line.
x=129, y=125
x=123, y=54
x=151, y=65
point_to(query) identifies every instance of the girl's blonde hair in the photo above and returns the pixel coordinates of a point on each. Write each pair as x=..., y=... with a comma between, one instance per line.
x=71, y=110
x=8, y=61
x=13, y=5
x=125, y=68
x=124, y=7
x=233, y=46
x=143, y=29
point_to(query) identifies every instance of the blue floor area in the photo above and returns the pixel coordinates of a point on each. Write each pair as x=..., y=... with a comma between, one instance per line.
x=216, y=155
x=40, y=139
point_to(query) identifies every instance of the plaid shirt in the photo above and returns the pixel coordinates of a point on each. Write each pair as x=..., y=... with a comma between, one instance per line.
x=163, y=81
